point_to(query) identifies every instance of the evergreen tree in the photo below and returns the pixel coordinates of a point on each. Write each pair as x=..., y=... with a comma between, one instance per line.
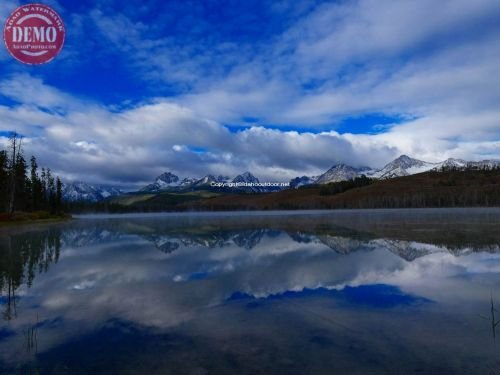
x=22, y=185
x=36, y=186
x=51, y=191
x=43, y=183
x=59, y=187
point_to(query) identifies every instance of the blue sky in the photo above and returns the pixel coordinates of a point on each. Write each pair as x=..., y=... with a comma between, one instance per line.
x=280, y=88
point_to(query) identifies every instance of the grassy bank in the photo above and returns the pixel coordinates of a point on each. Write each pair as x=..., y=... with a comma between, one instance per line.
x=23, y=218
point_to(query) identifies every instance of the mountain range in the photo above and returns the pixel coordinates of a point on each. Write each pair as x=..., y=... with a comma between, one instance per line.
x=81, y=191
x=170, y=182
x=401, y=166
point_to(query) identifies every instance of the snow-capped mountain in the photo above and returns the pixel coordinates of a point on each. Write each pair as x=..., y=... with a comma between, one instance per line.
x=484, y=164
x=403, y=166
x=169, y=181
x=247, y=177
x=297, y=182
x=339, y=172
x=187, y=181
x=80, y=191
x=209, y=180
x=162, y=182
x=459, y=163
x=451, y=163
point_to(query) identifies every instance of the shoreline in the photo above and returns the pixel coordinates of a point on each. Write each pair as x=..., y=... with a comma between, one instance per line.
x=23, y=223
x=280, y=212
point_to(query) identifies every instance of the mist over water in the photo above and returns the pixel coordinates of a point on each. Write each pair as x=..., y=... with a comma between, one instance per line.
x=381, y=291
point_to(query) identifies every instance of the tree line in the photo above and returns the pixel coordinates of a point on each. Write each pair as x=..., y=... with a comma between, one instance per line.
x=341, y=186
x=470, y=166
x=471, y=186
x=23, y=187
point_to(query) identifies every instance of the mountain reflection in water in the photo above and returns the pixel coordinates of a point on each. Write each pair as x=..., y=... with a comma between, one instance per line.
x=397, y=291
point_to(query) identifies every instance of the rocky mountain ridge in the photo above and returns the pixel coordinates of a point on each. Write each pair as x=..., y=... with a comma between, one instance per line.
x=168, y=181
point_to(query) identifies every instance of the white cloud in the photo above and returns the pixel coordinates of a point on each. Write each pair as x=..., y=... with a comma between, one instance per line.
x=89, y=142
x=32, y=91
x=361, y=57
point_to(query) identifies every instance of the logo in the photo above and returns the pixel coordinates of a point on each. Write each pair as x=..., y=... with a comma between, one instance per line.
x=34, y=34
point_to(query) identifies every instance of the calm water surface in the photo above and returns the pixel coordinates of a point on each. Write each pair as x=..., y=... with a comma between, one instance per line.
x=345, y=292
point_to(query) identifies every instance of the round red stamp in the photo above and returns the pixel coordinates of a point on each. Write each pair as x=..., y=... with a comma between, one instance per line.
x=34, y=34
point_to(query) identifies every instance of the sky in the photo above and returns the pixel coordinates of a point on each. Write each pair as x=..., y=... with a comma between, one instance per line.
x=278, y=88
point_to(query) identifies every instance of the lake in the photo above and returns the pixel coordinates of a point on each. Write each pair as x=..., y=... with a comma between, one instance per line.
x=320, y=292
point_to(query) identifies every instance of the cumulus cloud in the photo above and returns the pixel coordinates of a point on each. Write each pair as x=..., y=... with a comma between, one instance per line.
x=130, y=146
x=361, y=57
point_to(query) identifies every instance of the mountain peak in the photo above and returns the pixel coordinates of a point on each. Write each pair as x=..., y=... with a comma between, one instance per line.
x=403, y=166
x=247, y=174
x=209, y=179
x=81, y=191
x=163, y=181
x=246, y=177
x=297, y=182
x=403, y=157
x=405, y=160
x=167, y=177
x=339, y=172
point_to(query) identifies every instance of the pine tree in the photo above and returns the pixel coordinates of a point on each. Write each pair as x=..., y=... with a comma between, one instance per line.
x=43, y=186
x=51, y=190
x=22, y=185
x=36, y=186
x=58, y=195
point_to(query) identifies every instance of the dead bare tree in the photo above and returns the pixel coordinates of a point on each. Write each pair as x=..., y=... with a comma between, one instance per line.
x=492, y=319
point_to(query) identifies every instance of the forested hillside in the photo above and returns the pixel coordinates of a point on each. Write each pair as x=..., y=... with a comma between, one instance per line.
x=444, y=188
